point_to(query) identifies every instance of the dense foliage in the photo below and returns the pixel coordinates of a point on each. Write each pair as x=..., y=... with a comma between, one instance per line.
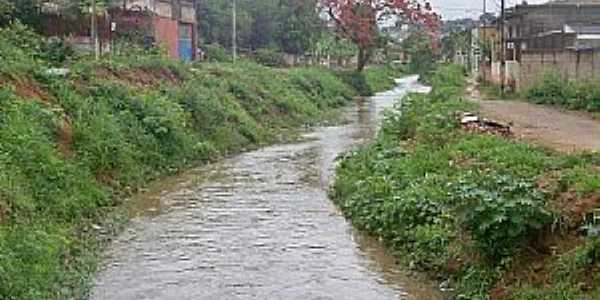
x=422, y=59
x=573, y=94
x=291, y=26
x=466, y=206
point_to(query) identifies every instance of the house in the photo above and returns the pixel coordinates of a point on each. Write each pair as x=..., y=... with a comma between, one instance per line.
x=561, y=36
x=171, y=24
x=174, y=24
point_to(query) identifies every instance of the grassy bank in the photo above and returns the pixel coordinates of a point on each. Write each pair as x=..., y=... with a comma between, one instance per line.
x=496, y=217
x=554, y=89
x=373, y=79
x=72, y=147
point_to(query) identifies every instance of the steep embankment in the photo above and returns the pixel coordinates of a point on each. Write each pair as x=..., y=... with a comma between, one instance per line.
x=72, y=147
x=493, y=215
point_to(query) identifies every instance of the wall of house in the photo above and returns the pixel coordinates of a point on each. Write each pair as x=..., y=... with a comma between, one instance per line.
x=163, y=8
x=170, y=20
x=188, y=13
x=167, y=34
x=571, y=64
x=534, y=19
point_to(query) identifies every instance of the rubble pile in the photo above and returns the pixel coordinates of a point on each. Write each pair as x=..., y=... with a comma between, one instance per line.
x=473, y=123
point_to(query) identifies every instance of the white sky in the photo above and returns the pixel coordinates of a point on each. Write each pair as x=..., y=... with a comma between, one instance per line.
x=454, y=9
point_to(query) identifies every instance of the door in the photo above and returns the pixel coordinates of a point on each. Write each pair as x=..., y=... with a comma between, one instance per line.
x=185, y=42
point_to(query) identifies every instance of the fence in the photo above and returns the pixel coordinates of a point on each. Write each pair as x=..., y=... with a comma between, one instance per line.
x=579, y=65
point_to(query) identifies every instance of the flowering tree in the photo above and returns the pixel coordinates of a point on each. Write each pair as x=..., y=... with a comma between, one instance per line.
x=357, y=20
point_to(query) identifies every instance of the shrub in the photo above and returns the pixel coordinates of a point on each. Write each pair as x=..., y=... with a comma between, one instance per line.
x=216, y=53
x=269, y=57
x=20, y=50
x=554, y=89
x=56, y=51
x=499, y=211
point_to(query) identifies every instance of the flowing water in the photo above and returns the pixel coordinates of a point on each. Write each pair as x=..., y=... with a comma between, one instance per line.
x=259, y=226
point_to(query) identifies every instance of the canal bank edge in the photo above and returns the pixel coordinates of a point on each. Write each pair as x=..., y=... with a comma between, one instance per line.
x=73, y=148
x=489, y=216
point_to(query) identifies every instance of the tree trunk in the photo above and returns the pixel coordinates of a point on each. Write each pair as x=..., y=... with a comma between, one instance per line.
x=363, y=58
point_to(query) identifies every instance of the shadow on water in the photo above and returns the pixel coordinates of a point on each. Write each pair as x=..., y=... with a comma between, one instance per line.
x=259, y=226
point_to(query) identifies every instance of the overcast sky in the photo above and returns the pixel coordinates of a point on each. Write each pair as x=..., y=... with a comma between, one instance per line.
x=454, y=9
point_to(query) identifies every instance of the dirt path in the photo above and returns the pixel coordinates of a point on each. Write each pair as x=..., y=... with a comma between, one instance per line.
x=561, y=130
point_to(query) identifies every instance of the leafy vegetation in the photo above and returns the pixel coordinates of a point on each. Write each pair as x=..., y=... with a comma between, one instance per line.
x=72, y=147
x=553, y=89
x=290, y=26
x=269, y=57
x=372, y=79
x=418, y=47
x=480, y=210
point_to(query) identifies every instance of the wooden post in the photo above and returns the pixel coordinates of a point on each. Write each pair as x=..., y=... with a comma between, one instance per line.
x=94, y=32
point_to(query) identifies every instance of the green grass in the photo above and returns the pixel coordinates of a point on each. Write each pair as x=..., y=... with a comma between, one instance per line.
x=461, y=205
x=72, y=148
x=554, y=89
x=372, y=79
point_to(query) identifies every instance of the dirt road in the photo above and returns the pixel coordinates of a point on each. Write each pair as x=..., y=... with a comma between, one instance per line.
x=548, y=126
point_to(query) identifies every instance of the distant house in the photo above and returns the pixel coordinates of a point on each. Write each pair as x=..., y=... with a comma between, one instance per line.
x=174, y=23
x=171, y=24
x=562, y=35
x=551, y=26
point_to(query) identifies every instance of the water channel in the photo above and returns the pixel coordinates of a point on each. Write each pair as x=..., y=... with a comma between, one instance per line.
x=259, y=226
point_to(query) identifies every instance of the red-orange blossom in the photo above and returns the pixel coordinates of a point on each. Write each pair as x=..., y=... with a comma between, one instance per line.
x=357, y=20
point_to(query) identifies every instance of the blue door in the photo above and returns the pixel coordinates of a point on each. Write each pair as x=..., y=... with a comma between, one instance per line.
x=185, y=42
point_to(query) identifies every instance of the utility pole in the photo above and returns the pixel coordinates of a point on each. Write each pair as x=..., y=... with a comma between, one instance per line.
x=95, y=32
x=234, y=31
x=503, y=47
x=484, y=8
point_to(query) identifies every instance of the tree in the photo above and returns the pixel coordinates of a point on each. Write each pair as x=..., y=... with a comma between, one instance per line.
x=6, y=11
x=291, y=26
x=418, y=47
x=358, y=20
x=301, y=26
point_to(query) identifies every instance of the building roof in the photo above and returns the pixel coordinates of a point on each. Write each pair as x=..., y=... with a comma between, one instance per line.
x=574, y=2
x=582, y=28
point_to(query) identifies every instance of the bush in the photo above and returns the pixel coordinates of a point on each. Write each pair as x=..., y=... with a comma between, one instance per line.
x=216, y=53
x=56, y=51
x=6, y=11
x=554, y=89
x=20, y=51
x=269, y=57
x=500, y=212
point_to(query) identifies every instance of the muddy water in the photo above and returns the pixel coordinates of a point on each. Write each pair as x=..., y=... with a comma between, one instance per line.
x=258, y=226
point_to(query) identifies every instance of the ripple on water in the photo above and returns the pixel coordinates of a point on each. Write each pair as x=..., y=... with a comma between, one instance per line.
x=258, y=226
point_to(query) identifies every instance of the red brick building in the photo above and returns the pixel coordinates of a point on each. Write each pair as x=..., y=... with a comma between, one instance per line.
x=174, y=24
x=171, y=24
